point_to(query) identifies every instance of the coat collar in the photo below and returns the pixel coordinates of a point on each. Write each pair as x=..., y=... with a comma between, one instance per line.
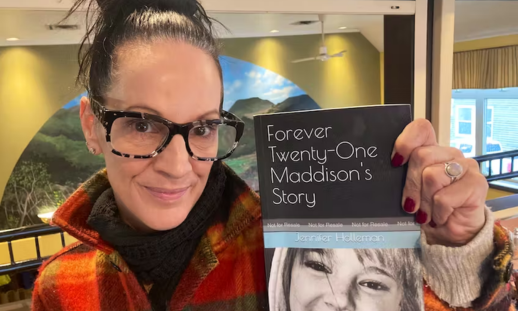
x=244, y=207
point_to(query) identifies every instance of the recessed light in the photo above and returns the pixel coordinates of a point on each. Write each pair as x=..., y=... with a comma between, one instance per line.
x=343, y=27
x=274, y=31
x=12, y=39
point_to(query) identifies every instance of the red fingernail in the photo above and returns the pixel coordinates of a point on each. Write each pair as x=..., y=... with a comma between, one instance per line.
x=409, y=206
x=397, y=160
x=432, y=224
x=421, y=217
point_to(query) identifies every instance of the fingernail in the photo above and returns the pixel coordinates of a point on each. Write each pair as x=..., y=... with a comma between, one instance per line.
x=432, y=224
x=409, y=205
x=397, y=160
x=421, y=217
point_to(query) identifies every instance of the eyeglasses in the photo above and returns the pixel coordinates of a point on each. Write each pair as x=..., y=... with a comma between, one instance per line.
x=142, y=136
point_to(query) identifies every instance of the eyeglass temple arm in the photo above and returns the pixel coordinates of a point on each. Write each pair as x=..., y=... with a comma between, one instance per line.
x=230, y=116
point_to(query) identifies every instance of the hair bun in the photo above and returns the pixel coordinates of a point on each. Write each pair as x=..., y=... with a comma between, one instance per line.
x=184, y=7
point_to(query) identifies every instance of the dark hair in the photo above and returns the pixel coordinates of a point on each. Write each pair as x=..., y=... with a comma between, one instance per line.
x=404, y=263
x=115, y=22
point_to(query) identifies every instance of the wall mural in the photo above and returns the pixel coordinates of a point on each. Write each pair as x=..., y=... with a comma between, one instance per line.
x=56, y=160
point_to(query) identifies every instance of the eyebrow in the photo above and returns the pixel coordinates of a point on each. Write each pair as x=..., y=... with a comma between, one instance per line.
x=378, y=270
x=213, y=114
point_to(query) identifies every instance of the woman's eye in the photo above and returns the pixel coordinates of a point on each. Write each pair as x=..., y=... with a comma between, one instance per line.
x=317, y=266
x=203, y=131
x=374, y=285
x=142, y=127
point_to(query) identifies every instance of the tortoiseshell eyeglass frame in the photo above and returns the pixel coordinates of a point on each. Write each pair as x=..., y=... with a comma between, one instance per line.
x=107, y=117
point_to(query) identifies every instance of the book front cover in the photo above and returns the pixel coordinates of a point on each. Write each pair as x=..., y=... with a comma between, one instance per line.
x=336, y=237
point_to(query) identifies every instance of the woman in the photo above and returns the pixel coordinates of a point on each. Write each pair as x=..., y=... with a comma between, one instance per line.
x=345, y=279
x=169, y=227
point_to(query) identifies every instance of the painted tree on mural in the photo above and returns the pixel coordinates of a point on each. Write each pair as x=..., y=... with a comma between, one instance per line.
x=52, y=166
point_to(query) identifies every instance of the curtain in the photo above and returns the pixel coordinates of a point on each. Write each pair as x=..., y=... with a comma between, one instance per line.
x=494, y=68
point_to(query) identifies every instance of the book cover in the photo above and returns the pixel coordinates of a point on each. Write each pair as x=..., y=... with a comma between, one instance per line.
x=336, y=237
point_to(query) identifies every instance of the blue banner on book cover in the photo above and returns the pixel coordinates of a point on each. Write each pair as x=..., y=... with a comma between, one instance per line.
x=335, y=234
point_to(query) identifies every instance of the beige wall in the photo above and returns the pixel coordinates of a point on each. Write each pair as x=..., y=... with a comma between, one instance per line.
x=34, y=83
x=348, y=81
x=37, y=81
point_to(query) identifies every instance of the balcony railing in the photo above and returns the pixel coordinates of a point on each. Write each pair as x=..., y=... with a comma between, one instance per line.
x=25, y=235
x=498, y=166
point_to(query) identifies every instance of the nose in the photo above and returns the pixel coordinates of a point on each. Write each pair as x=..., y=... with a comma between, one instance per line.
x=341, y=298
x=174, y=160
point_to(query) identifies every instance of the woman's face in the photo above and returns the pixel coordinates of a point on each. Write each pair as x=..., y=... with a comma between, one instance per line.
x=334, y=279
x=178, y=82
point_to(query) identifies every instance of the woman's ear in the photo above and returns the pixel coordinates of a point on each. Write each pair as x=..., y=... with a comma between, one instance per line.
x=88, y=121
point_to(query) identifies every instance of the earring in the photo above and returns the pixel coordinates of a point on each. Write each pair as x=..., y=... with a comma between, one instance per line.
x=91, y=149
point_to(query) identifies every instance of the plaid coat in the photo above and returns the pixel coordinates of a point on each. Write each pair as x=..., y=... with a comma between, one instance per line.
x=226, y=272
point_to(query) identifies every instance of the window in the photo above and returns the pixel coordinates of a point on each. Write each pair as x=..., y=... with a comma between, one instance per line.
x=489, y=121
x=465, y=125
x=501, y=123
x=485, y=119
x=485, y=122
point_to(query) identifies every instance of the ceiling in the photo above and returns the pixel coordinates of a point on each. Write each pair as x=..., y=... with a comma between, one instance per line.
x=483, y=19
x=473, y=20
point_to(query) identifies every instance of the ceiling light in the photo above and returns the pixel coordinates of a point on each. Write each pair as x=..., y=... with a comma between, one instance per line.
x=343, y=27
x=12, y=39
x=274, y=31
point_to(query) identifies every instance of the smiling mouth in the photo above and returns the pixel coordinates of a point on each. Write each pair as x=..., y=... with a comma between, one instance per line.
x=167, y=194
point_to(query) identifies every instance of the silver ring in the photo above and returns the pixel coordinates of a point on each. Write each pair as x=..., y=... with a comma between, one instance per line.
x=453, y=170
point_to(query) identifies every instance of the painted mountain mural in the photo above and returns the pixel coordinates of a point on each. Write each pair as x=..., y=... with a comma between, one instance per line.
x=56, y=161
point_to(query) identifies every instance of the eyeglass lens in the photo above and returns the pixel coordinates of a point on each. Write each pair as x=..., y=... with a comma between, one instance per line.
x=137, y=136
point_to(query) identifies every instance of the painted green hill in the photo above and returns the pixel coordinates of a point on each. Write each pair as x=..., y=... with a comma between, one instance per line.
x=295, y=103
x=250, y=106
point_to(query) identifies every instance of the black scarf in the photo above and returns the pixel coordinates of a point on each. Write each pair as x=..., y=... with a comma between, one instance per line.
x=159, y=258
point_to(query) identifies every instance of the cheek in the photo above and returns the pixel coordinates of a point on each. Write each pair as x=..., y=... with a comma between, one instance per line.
x=201, y=169
x=306, y=290
x=122, y=170
x=387, y=302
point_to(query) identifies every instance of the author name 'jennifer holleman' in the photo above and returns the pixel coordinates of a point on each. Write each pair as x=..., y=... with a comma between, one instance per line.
x=339, y=237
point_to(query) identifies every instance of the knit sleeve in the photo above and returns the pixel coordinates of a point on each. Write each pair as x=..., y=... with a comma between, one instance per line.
x=475, y=275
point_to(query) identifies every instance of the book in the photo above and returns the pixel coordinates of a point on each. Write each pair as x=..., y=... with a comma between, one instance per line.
x=335, y=234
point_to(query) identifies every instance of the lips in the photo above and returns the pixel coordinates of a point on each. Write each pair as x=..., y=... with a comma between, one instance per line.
x=168, y=195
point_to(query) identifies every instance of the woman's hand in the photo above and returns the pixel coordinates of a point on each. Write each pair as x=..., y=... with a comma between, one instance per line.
x=451, y=212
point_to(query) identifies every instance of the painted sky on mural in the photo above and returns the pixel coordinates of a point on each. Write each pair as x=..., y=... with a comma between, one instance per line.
x=244, y=80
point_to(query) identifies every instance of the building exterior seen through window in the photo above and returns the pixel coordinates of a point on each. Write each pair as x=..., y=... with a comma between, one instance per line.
x=485, y=122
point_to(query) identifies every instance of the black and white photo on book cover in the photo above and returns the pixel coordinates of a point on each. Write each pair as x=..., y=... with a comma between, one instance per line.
x=336, y=279
x=336, y=237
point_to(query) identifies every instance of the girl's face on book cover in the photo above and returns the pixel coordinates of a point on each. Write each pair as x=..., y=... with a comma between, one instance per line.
x=341, y=279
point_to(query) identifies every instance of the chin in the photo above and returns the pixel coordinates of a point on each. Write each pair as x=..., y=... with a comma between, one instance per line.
x=163, y=224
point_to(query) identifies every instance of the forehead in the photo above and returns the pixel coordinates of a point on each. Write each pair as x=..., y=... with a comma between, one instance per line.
x=176, y=79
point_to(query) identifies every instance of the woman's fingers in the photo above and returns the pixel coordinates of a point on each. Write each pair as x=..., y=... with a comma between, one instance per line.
x=434, y=179
x=420, y=159
x=468, y=192
x=417, y=134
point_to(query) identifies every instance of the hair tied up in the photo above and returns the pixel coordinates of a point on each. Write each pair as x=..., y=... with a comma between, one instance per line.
x=183, y=7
